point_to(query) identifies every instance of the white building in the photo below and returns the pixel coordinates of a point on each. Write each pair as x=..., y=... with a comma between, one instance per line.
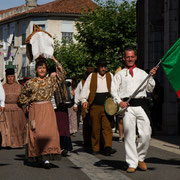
x=57, y=17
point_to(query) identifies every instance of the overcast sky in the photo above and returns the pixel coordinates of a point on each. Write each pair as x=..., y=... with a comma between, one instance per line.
x=6, y=4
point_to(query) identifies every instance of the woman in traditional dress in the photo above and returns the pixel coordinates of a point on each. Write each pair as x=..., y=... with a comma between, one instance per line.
x=59, y=103
x=43, y=142
x=13, y=127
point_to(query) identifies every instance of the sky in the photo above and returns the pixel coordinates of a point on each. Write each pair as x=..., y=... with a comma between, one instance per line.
x=6, y=4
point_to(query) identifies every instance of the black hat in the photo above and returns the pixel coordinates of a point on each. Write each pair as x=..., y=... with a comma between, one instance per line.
x=101, y=61
x=10, y=71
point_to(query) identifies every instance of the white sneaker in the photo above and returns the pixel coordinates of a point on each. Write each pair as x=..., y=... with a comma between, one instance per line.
x=121, y=140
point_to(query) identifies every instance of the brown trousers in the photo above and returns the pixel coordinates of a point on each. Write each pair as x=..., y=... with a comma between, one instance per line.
x=99, y=120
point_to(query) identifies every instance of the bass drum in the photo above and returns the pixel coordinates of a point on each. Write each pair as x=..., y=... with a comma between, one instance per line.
x=110, y=107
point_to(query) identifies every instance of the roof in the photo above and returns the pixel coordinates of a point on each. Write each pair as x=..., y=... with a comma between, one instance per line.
x=10, y=9
x=65, y=7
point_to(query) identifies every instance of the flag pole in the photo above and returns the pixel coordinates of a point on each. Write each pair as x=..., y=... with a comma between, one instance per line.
x=136, y=91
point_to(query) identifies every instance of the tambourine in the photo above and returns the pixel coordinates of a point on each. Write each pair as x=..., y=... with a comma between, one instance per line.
x=110, y=107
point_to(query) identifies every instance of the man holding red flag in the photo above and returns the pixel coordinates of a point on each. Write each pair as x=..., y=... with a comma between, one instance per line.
x=124, y=83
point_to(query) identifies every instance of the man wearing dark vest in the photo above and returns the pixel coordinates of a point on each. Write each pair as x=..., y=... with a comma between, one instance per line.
x=96, y=88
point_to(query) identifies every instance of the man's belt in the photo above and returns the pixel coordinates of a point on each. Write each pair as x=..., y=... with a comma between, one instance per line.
x=139, y=102
x=136, y=101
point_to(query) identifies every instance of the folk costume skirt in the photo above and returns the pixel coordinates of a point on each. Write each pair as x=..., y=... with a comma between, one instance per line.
x=43, y=140
x=63, y=127
x=13, y=127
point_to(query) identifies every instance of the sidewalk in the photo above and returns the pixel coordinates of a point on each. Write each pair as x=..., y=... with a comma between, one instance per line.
x=169, y=143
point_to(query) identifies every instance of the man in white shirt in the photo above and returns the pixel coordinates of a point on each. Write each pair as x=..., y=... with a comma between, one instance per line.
x=81, y=112
x=95, y=90
x=124, y=83
x=2, y=98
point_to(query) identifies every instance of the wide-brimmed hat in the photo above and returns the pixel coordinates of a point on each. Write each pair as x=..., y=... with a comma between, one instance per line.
x=101, y=61
x=10, y=71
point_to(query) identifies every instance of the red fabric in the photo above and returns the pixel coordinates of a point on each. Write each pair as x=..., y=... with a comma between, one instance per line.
x=131, y=69
x=178, y=93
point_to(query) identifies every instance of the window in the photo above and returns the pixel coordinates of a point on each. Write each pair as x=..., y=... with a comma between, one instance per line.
x=23, y=30
x=67, y=30
x=5, y=37
x=25, y=70
x=42, y=26
x=11, y=40
x=41, y=22
x=67, y=36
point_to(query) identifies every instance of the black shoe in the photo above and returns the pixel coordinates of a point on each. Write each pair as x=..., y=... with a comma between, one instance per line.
x=95, y=152
x=113, y=151
x=107, y=151
x=64, y=152
x=47, y=165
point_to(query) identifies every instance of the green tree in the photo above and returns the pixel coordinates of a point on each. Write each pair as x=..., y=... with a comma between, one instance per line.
x=107, y=30
x=73, y=57
x=102, y=32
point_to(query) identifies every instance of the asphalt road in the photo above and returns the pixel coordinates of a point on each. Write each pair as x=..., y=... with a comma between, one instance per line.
x=81, y=165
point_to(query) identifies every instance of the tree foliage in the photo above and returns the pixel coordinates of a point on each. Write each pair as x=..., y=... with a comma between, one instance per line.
x=102, y=32
x=107, y=30
x=73, y=58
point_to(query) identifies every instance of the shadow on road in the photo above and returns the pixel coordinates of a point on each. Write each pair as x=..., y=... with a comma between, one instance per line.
x=163, y=161
x=115, y=165
x=112, y=164
x=20, y=157
x=4, y=164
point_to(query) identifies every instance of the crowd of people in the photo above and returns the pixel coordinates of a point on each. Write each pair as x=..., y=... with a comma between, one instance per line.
x=43, y=113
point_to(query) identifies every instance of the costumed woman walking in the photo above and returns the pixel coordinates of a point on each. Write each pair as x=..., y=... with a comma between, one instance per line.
x=13, y=128
x=43, y=140
x=59, y=103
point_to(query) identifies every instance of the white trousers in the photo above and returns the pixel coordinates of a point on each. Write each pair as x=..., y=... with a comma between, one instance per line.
x=135, y=116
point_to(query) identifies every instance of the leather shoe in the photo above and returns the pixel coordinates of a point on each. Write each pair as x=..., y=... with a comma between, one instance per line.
x=142, y=165
x=131, y=170
x=107, y=151
x=113, y=151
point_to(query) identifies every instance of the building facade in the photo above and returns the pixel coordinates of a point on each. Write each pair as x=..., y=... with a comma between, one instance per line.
x=158, y=28
x=57, y=17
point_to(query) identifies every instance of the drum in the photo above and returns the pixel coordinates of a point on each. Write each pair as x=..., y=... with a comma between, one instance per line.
x=111, y=108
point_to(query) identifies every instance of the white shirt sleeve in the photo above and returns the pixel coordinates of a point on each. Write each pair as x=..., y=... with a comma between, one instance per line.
x=150, y=84
x=77, y=94
x=116, y=81
x=86, y=89
x=2, y=96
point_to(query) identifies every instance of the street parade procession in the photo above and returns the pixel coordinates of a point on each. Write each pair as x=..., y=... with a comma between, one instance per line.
x=42, y=116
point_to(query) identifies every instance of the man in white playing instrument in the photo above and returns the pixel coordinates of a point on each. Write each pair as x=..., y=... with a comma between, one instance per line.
x=124, y=83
